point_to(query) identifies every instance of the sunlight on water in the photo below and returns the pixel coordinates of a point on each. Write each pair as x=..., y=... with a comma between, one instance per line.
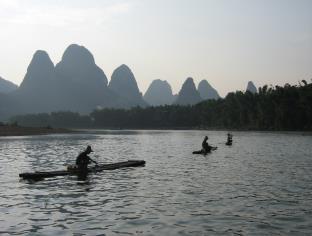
x=260, y=185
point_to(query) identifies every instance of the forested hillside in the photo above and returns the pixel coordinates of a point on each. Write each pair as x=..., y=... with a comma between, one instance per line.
x=272, y=108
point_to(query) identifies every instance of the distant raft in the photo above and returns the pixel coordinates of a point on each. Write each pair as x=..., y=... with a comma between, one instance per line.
x=203, y=152
x=229, y=143
x=73, y=171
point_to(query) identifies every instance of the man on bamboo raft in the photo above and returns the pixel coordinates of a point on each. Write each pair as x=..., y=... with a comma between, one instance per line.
x=229, y=139
x=83, y=159
x=206, y=148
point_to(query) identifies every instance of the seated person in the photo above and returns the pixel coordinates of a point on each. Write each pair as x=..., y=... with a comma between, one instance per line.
x=83, y=159
x=229, y=139
x=205, y=146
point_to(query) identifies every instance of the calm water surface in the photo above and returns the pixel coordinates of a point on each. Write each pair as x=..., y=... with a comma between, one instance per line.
x=261, y=185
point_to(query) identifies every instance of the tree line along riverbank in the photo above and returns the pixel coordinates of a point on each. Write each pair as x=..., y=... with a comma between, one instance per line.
x=16, y=130
x=287, y=107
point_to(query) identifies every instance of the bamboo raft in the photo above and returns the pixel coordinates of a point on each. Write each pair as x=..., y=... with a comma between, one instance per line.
x=203, y=152
x=100, y=167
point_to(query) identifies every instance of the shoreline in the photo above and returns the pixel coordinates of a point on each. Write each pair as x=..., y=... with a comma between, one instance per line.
x=300, y=132
x=12, y=130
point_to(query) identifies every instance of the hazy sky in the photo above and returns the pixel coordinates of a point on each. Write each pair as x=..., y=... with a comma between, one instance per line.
x=227, y=42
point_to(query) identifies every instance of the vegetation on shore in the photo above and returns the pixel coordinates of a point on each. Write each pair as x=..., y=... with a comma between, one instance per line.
x=16, y=130
x=272, y=108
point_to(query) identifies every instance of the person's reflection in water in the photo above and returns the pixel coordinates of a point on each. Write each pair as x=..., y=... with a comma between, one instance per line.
x=82, y=176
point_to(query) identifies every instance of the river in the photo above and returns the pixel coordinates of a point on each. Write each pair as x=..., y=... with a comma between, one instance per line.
x=261, y=185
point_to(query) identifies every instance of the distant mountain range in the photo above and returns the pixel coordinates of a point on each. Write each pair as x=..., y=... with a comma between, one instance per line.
x=77, y=84
x=188, y=94
x=7, y=86
x=123, y=84
x=159, y=93
x=251, y=87
x=206, y=91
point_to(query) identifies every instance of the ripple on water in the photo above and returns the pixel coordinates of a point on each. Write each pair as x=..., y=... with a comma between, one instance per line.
x=259, y=186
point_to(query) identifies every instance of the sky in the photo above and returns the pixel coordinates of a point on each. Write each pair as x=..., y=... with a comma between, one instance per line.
x=226, y=42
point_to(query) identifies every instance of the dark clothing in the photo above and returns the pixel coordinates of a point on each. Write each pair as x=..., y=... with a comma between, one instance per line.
x=205, y=146
x=229, y=139
x=83, y=160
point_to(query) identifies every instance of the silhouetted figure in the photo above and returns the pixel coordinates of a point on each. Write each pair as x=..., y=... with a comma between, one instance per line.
x=229, y=139
x=205, y=146
x=83, y=159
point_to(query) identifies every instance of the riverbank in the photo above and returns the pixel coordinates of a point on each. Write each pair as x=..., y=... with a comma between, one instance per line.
x=13, y=130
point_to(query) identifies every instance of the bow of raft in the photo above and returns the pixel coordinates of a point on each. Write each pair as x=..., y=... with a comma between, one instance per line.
x=101, y=167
